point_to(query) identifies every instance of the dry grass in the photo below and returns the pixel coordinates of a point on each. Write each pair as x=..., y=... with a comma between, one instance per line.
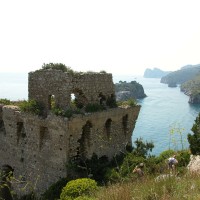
x=186, y=187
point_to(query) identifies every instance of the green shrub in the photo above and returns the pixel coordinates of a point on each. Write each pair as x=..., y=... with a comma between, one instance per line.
x=5, y=101
x=31, y=106
x=78, y=187
x=103, y=72
x=113, y=175
x=183, y=158
x=130, y=161
x=57, y=66
x=129, y=102
x=142, y=148
x=165, y=155
x=154, y=165
x=66, y=113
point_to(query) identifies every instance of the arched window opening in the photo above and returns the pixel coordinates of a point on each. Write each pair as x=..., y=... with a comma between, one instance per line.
x=79, y=99
x=108, y=128
x=125, y=123
x=85, y=141
x=73, y=101
x=43, y=137
x=102, y=99
x=20, y=131
x=51, y=102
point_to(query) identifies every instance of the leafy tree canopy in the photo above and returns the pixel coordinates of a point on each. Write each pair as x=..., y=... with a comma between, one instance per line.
x=57, y=66
x=194, y=139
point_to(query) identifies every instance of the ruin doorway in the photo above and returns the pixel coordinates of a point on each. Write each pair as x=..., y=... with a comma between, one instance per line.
x=85, y=141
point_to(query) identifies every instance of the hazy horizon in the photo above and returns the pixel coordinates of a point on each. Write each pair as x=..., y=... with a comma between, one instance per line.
x=120, y=37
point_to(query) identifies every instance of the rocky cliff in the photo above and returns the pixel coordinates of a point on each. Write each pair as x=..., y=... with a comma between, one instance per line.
x=181, y=76
x=125, y=91
x=192, y=89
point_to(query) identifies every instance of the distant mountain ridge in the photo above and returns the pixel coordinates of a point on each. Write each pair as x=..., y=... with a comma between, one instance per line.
x=190, y=66
x=155, y=73
x=189, y=79
x=186, y=73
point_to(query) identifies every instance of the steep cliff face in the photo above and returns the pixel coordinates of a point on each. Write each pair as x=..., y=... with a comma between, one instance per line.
x=194, y=99
x=191, y=88
x=181, y=76
x=124, y=91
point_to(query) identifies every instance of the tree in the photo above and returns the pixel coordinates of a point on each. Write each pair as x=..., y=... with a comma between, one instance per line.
x=142, y=148
x=194, y=139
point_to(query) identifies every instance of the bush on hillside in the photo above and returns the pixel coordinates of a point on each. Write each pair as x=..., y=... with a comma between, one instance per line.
x=96, y=167
x=31, y=106
x=183, y=158
x=165, y=155
x=129, y=102
x=142, y=148
x=57, y=66
x=78, y=187
x=5, y=101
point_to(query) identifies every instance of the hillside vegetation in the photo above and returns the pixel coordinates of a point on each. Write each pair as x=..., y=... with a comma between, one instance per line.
x=191, y=87
x=189, y=79
x=182, y=75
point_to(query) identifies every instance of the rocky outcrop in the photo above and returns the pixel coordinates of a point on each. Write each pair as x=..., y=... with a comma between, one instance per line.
x=191, y=88
x=194, y=99
x=132, y=90
x=194, y=164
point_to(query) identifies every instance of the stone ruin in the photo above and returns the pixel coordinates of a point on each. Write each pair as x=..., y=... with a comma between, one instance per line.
x=38, y=148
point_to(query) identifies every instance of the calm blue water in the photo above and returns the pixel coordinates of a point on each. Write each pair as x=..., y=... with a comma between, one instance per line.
x=162, y=110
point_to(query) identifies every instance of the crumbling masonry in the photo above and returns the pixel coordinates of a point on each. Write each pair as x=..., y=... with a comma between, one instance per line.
x=38, y=148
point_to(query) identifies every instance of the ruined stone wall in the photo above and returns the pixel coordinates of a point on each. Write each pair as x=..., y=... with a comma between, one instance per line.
x=34, y=147
x=88, y=88
x=39, y=148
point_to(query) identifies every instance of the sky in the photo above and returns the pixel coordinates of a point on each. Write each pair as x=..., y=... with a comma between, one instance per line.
x=119, y=37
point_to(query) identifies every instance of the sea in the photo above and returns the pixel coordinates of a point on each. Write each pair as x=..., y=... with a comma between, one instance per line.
x=165, y=117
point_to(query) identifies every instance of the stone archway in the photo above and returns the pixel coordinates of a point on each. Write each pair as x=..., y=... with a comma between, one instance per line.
x=85, y=141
